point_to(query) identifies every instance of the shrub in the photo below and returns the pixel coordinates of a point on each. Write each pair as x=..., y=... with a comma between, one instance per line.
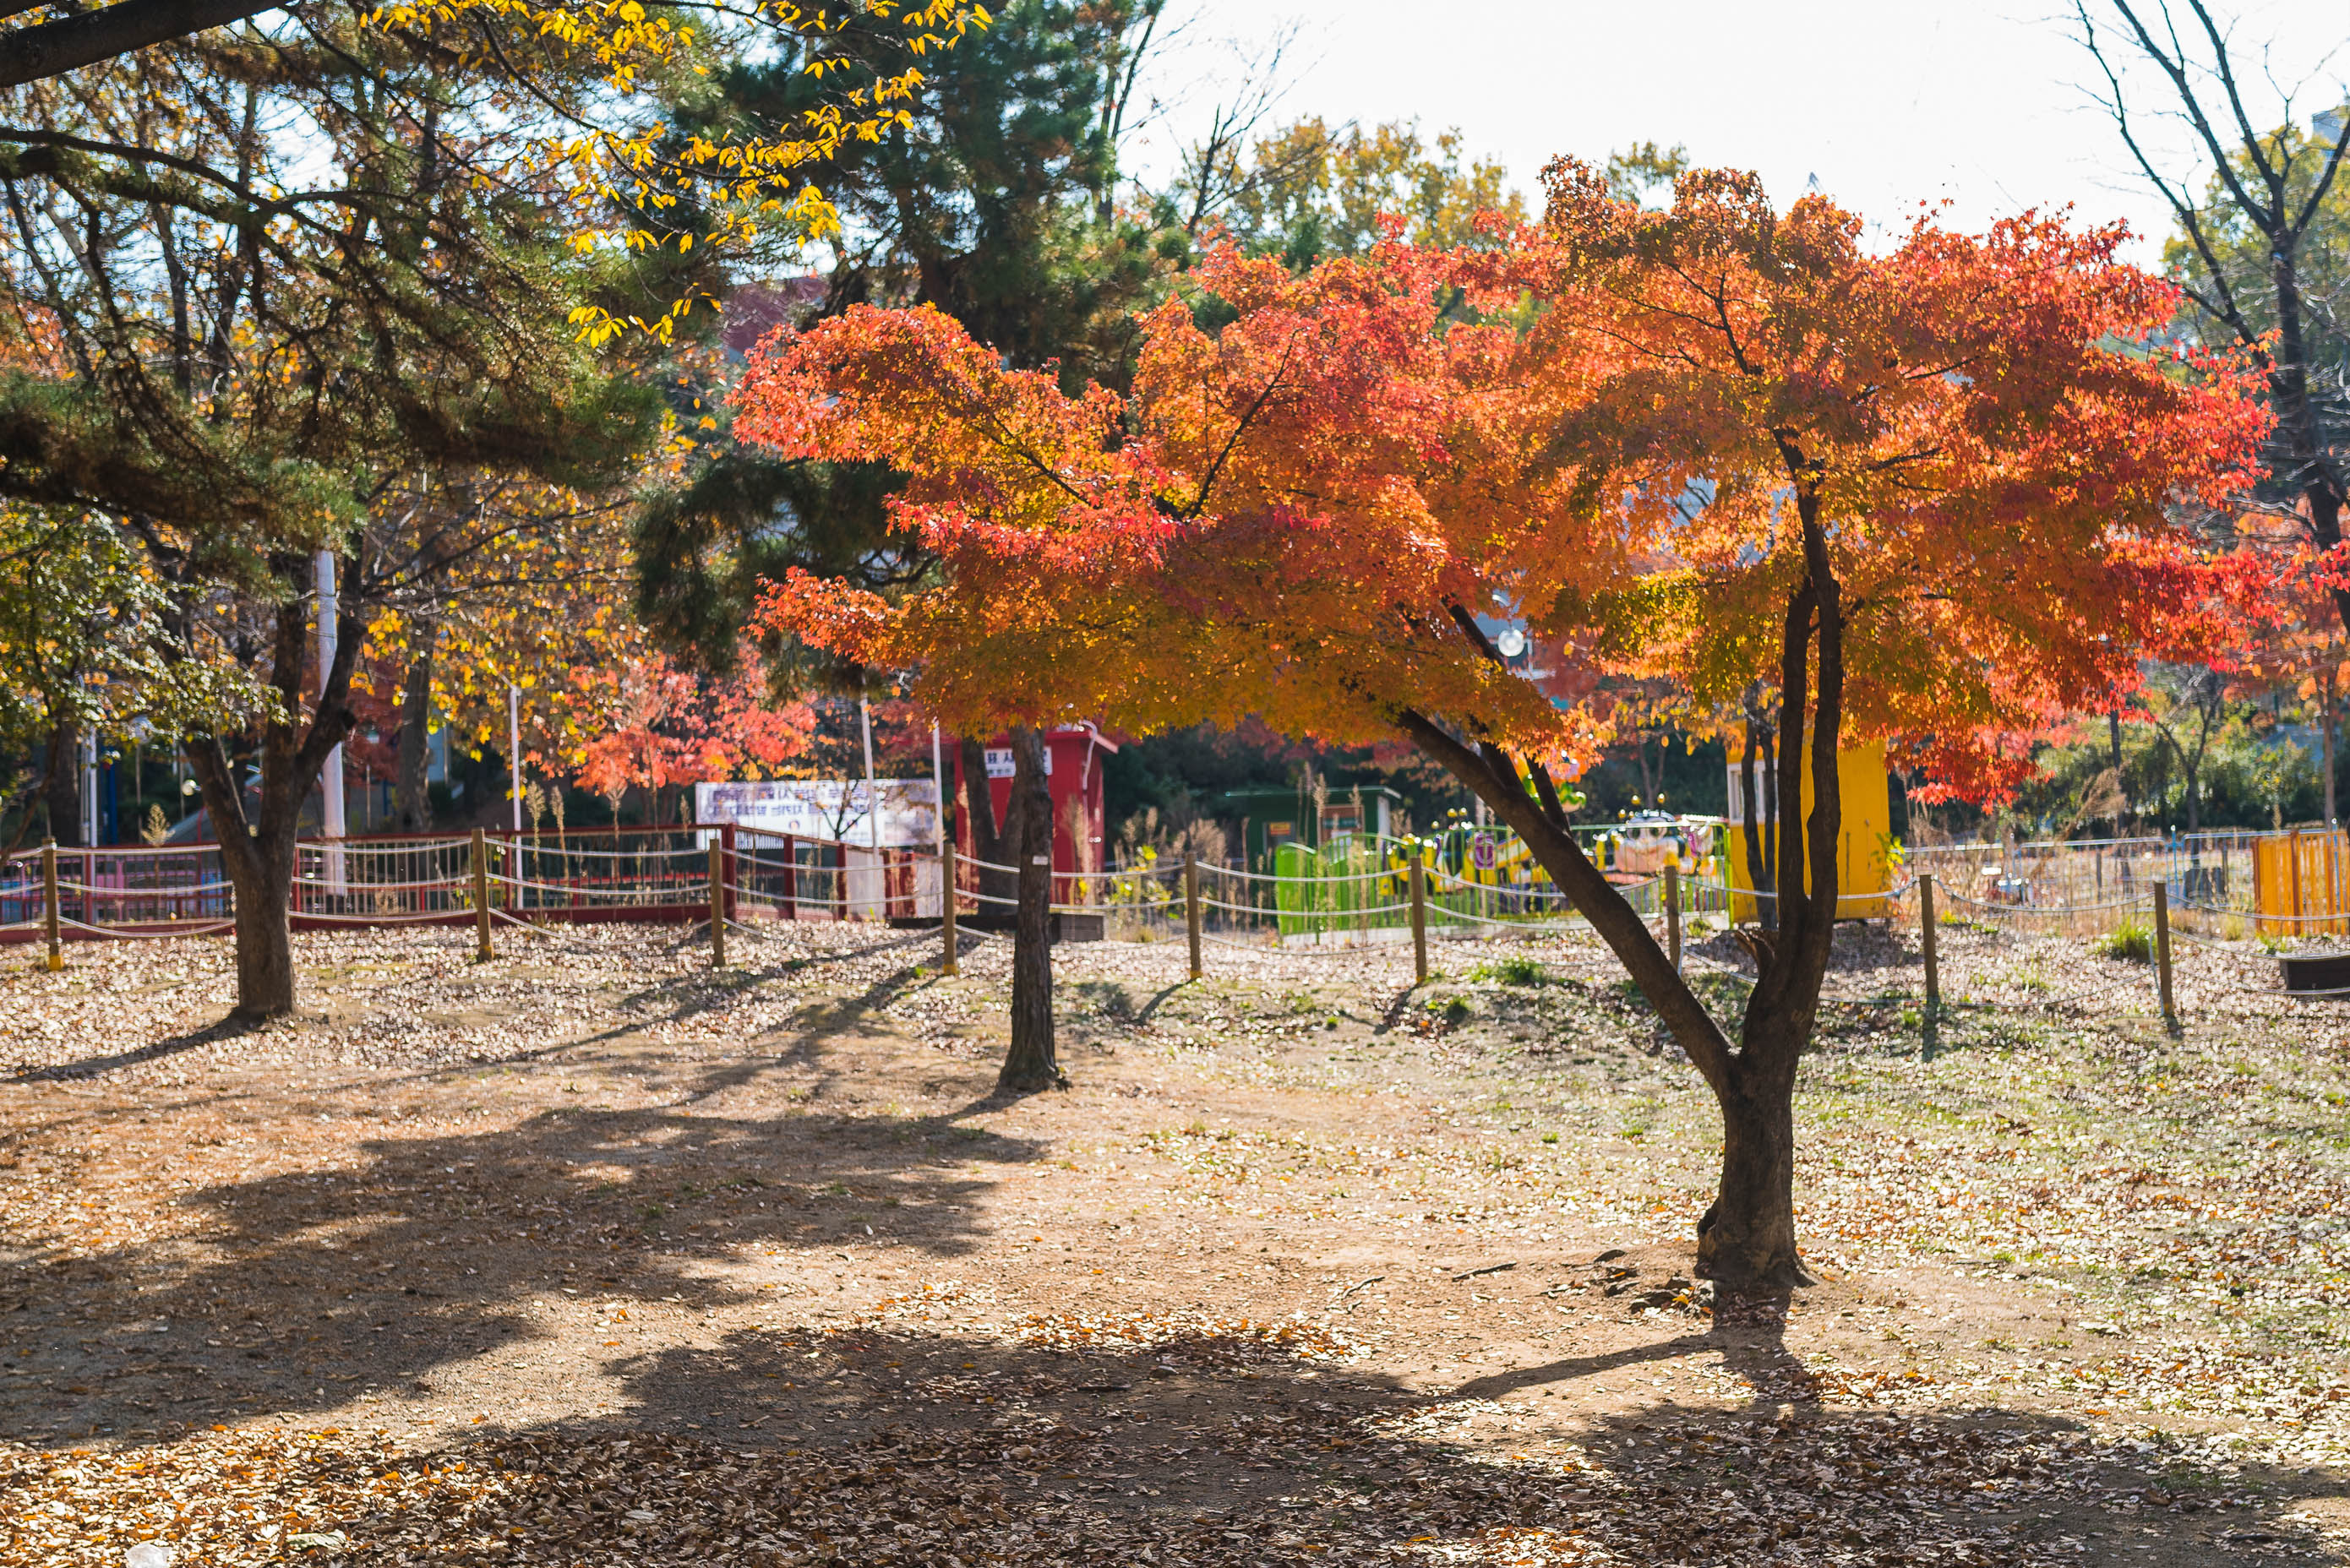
x=2132, y=940
x=1511, y=971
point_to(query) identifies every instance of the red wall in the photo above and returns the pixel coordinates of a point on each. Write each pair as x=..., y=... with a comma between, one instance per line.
x=1076, y=775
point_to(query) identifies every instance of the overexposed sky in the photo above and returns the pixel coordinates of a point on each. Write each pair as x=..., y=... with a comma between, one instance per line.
x=1889, y=102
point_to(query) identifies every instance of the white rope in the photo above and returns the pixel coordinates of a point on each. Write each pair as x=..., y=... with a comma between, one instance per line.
x=363, y=921
x=574, y=890
x=1300, y=951
x=2180, y=934
x=143, y=928
x=353, y=885
x=762, y=862
x=1708, y=965
x=1729, y=890
x=2340, y=917
x=2050, y=911
x=648, y=854
x=1339, y=914
x=1532, y=924
x=962, y=859
x=1448, y=882
x=119, y=852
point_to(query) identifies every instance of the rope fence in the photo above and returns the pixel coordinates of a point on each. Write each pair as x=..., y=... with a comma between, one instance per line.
x=718, y=880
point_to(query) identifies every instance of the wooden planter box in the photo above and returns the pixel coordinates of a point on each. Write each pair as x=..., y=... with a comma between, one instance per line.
x=2316, y=972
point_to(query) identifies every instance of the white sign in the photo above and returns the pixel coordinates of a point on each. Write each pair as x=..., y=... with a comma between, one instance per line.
x=1000, y=762
x=826, y=808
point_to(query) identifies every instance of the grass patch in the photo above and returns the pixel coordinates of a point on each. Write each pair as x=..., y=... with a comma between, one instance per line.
x=1511, y=971
x=2132, y=941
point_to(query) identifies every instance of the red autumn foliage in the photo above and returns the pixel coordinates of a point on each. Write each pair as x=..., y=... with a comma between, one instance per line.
x=1283, y=515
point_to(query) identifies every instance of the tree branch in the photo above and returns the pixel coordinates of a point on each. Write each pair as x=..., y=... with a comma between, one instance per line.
x=51, y=48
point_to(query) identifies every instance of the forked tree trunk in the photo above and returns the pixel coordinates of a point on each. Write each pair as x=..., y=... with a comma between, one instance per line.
x=1746, y=1240
x=1031, y=1063
x=257, y=848
x=990, y=844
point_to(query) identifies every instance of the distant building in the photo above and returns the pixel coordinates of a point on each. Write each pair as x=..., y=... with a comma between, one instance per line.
x=1272, y=816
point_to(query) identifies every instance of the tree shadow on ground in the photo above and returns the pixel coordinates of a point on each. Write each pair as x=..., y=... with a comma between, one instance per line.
x=435, y=1249
x=907, y=1431
x=153, y=1051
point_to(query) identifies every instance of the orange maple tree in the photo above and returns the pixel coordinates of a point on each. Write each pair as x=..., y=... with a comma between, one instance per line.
x=1924, y=495
x=654, y=725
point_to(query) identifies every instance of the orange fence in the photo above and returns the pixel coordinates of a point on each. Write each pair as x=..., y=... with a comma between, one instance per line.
x=2297, y=882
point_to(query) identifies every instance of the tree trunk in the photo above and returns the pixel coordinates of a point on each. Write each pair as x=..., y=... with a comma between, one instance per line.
x=2121, y=780
x=2309, y=453
x=1749, y=1233
x=1747, y=1240
x=1031, y=1063
x=257, y=851
x=996, y=844
x=61, y=787
x=264, y=883
x=2325, y=735
x=411, y=810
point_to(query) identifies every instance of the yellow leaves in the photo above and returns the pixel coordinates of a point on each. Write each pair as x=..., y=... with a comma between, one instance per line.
x=745, y=172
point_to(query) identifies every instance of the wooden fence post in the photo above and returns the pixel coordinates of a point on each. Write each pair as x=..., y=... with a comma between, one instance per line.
x=717, y=903
x=1926, y=931
x=49, y=905
x=2162, y=949
x=1192, y=905
x=1418, y=919
x=1673, y=915
x=481, y=950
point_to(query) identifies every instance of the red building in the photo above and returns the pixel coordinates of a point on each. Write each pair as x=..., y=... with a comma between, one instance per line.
x=1073, y=770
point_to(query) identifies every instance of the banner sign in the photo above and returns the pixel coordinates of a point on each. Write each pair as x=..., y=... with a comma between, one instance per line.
x=826, y=808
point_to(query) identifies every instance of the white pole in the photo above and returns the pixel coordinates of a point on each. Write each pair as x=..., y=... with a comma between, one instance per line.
x=89, y=789
x=330, y=780
x=872, y=793
x=514, y=751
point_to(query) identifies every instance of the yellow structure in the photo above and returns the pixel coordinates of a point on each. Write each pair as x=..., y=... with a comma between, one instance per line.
x=2298, y=882
x=1863, y=845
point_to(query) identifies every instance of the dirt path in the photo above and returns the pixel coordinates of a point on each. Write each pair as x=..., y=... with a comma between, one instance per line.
x=587, y=1255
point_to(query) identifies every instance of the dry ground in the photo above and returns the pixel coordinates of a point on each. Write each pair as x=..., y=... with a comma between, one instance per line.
x=587, y=1255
